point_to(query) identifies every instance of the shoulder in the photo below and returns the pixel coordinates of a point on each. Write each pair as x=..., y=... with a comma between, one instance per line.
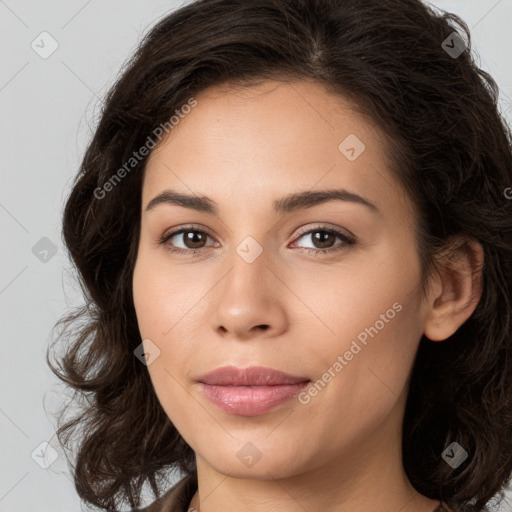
x=177, y=498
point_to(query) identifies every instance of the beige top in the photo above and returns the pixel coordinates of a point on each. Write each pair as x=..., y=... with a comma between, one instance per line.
x=177, y=498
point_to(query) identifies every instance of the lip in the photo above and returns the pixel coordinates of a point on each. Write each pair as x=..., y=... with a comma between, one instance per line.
x=250, y=376
x=249, y=391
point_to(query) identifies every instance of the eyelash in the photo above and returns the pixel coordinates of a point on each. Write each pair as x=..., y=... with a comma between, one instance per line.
x=347, y=240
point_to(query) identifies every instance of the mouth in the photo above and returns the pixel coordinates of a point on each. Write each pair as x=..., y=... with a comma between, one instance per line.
x=250, y=391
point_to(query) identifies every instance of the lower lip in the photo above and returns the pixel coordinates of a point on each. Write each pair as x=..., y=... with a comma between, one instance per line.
x=250, y=400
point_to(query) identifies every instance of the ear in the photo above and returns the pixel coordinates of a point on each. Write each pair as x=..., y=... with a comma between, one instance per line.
x=456, y=290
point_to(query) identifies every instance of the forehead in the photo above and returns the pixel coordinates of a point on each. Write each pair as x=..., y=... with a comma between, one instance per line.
x=254, y=142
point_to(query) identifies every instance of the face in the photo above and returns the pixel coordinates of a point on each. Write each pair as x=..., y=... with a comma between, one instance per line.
x=325, y=289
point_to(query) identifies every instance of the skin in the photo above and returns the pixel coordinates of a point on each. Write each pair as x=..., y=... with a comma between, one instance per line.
x=244, y=148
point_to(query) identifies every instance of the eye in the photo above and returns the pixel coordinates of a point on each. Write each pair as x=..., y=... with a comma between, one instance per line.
x=192, y=239
x=323, y=239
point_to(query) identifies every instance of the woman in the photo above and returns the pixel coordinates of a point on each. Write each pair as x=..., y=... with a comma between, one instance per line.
x=294, y=239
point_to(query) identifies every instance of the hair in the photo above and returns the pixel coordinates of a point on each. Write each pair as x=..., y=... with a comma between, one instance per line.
x=450, y=148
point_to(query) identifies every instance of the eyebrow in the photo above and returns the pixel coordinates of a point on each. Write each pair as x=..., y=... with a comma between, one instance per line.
x=286, y=204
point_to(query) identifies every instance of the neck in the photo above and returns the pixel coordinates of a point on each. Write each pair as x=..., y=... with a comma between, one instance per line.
x=292, y=498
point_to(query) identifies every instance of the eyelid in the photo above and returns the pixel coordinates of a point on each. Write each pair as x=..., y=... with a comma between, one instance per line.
x=322, y=227
x=186, y=227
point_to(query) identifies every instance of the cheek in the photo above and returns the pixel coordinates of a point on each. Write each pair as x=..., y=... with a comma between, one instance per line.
x=370, y=319
x=168, y=305
x=158, y=308
x=369, y=382
x=163, y=294
x=340, y=302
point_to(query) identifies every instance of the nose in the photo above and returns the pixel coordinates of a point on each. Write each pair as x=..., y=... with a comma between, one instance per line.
x=250, y=301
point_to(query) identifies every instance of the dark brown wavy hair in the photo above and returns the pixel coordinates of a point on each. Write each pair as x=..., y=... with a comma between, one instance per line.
x=450, y=148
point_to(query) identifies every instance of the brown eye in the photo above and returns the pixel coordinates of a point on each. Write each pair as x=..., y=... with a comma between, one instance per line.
x=324, y=240
x=185, y=240
x=193, y=239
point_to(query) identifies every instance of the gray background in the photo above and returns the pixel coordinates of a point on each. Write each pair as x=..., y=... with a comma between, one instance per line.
x=49, y=110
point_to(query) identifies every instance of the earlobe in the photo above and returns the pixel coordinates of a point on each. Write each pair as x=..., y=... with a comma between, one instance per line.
x=456, y=290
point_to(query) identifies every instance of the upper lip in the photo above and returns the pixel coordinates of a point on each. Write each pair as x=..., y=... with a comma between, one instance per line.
x=250, y=376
